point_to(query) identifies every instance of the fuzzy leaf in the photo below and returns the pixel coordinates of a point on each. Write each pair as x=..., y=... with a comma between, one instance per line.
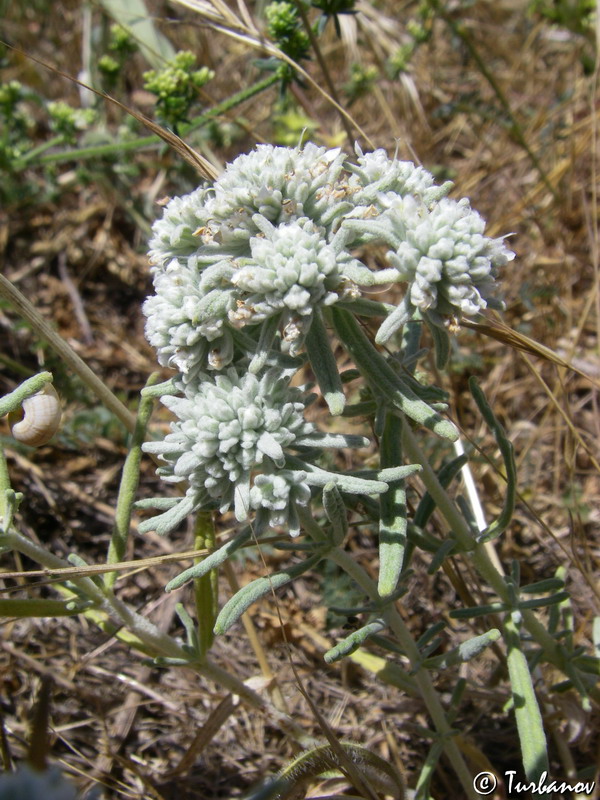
x=336, y=512
x=506, y=449
x=242, y=600
x=323, y=363
x=393, y=519
x=527, y=712
x=464, y=652
x=13, y=400
x=355, y=640
x=384, y=381
x=210, y=562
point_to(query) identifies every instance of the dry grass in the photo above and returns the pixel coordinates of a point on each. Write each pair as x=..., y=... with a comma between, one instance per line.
x=146, y=733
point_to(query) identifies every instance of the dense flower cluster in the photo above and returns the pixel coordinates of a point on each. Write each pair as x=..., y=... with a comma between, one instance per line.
x=229, y=444
x=244, y=271
x=274, y=238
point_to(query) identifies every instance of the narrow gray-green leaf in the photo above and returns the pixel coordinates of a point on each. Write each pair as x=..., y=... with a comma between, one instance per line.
x=478, y=611
x=527, y=712
x=160, y=503
x=464, y=652
x=389, y=474
x=323, y=363
x=445, y=475
x=315, y=476
x=242, y=600
x=545, y=585
x=366, y=308
x=506, y=449
x=129, y=483
x=336, y=512
x=210, y=562
x=14, y=400
x=160, y=389
x=384, y=381
x=441, y=343
x=393, y=519
x=440, y=555
x=355, y=640
x=163, y=523
x=543, y=602
x=268, y=332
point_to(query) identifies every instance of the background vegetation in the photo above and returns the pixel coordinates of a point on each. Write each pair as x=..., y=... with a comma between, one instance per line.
x=500, y=97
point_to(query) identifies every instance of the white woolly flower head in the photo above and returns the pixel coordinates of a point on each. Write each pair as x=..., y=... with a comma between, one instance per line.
x=442, y=253
x=280, y=184
x=292, y=269
x=239, y=440
x=230, y=429
x=178, y=232
x=186, y=318
x=273, y=242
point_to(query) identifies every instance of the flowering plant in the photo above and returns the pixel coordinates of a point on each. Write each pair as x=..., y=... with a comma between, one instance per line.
x=252, y=276
x=245, y=273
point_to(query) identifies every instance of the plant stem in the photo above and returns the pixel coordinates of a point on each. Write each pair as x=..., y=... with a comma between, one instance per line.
x=4, y=485
x=323, y=64
x=142, y=142
x=32, y=154
x=205, y=588
x=154, y=640
x=420, y=676
x=477, y=552
x=129, y=483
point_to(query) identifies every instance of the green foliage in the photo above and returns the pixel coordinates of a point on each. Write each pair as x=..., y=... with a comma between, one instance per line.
x=67, y=121
x=574, y=15
x=362, y=80
x=176, y=87
x=121, y=41
x=419, y=31
x=109, y=67
x=16, y=124
x=284, y=26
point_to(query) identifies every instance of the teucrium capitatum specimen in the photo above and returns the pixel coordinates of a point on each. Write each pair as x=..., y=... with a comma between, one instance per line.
x=245, y=272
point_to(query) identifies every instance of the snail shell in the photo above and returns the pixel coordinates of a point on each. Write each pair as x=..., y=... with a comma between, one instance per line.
x=39, y=419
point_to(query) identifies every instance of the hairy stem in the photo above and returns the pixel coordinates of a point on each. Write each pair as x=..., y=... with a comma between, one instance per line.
x=154, y=640
x=477, y=552
x=421, y=676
